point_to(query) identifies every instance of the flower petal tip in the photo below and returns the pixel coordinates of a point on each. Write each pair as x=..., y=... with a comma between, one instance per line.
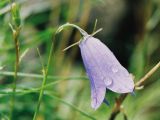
x=94, y=105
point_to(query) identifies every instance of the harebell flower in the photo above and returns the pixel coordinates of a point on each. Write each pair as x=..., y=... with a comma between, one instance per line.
x=102, y=67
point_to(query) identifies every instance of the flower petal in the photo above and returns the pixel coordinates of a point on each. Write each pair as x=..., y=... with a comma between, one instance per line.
x=98, y=89
x=110, y=71
x=103, y=70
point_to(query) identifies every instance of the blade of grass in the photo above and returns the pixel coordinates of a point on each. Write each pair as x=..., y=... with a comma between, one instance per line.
x=45, y=74
x=70, y=105
x=30, y=75
x=3, y=116
x=23, y=54
x=29, y=90
x=20, y=92
x=95, y=26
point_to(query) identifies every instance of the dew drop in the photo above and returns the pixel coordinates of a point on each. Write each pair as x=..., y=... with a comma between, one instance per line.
x=107, y=81
x=114, y=69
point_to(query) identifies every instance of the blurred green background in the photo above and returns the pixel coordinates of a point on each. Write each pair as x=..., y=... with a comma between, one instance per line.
x=131, y=29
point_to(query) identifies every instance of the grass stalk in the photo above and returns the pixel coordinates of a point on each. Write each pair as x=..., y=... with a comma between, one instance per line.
x=16, y=71
x=38, y=76
x=45, y=74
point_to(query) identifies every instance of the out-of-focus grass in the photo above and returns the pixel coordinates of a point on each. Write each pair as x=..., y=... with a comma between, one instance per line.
x=69, y=99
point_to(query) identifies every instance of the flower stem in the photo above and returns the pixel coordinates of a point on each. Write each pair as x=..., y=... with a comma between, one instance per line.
x=16, y=21
x=40, y=95
x=45, y=74
x=84, y=33
x=16, y=42
x=143, y=79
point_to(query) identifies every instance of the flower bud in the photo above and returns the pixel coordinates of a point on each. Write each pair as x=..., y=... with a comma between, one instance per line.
x=15, y=14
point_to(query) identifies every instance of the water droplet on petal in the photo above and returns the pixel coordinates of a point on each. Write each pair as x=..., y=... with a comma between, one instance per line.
x=107, y=81
x=114, y=69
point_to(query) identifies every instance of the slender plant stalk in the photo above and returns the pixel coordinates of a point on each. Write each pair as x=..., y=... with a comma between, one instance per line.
x=45, y=74
x=96, y=32
x=142, y=80
x=77, y=43
x=23, y=91
x=15, y=35
x=40, y=95
x=122, y=97
x=84, y=33
x=95, y=26
x=30, y=75
x=71, y=46
x=15, y=30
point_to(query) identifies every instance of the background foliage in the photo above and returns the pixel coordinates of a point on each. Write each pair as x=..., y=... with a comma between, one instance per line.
x=130, y=29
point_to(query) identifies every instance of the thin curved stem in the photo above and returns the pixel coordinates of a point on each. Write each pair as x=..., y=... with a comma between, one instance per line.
x=143, y=79
x=45, y=74
x=84, y=33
